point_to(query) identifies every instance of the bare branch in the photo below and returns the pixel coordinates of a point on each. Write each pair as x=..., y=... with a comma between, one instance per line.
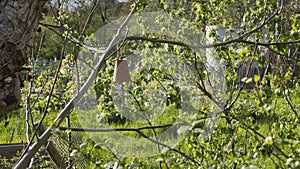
x=49, y=97
x=236, y=40
x=96, y=4
x=289, y=101
x=86, y=46
x=101, y=130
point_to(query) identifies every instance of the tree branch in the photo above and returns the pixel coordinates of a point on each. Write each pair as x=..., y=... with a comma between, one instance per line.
x=102, y=130
x=236, y=40
x=72, y=37
x=25, y=159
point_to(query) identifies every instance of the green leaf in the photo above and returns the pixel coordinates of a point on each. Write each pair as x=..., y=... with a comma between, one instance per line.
x=269, y=140
x=247, y=80
x=256, y=78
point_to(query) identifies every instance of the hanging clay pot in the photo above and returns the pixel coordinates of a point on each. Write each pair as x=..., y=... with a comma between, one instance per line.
x=121, y=73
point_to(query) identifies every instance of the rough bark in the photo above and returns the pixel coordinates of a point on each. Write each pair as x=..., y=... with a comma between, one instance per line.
x=18, y=20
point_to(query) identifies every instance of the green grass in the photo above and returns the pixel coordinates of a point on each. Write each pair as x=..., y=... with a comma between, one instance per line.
x=284, y=130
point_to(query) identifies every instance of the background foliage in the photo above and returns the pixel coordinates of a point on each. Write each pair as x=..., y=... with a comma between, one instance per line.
x=259, y=124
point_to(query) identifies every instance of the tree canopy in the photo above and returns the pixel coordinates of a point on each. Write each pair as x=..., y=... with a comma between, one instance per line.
x=213, y=84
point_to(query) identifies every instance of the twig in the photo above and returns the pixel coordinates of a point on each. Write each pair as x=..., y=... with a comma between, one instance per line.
x=72, y=37
x=290, y=103
x=85, y=46
x=28, y=110
x=170, y=148
x=96, y=4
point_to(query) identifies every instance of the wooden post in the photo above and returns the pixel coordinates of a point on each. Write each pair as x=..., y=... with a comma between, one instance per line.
x=51, y=149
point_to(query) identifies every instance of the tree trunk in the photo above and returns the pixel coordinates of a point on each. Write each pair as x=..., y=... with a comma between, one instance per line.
x=18, y=20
